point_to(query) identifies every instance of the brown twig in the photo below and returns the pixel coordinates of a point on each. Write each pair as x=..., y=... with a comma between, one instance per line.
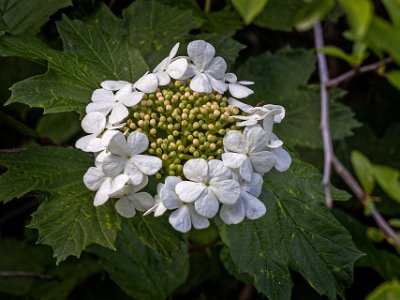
x=21, y=274
x=364, y=69
x=324, y=126
x=329, y=156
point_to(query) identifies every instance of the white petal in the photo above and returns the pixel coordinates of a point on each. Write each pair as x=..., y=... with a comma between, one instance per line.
x=283, y=159
x=218, y=85
x=216, y=68
x=263, y=161
x=125, y=207
x=242, y=106
x=138, y=142
x=147, y=164
x=84, y=141
x=201, y=84
x=131, y=99
x=201, y=53
x=189, y=191
x=255, y=186
x=254, y=208
x=118, y=145
x=113, y=165
x=227, y=191
x=161, y=66
x=95, y=145
x=177, y=68
x=103, y=192
x=232, y=214
x=207, y=204
x=239, y=91
x=118, y=183
x=245, y=82
x=135, y=175
x=101, y=107
x=135, y=188
x=234, y=141
x=94, y=122
x=107, y=136
x=233, y=160
x=217, y=171
x=113, y=85
x=196, y=169
x=246, y=170
x=173, y=51
x=230, y=77
x=279, y=111
x=180, y=219
x=168, y=196
x=93, y=178
x=100, y=157
x=118, y=113
x=142, y=200
x=249, y=122
x=199, y=222
x=163, y=78
x=256, y=138
x=103, y=96
x=159, y=210
x=147, y=83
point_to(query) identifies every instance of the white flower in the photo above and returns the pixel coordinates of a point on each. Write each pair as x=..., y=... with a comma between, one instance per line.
x=158, y=208
x=170, y=68
x=100, y=131
x=211, y=183
x=105, y=101
x=282, y=157
x=237, y=88
x=247, y=151
x=248, y=205
x=185, y=214
x=130, y=199
x=126, y=157
x=96, y=180
x=208, y=70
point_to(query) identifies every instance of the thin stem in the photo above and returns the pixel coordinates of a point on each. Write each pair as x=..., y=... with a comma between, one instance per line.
x=18, y=126
x=21, y=274
x=364, y=69
x=363, y=197
x=324, y=125
x=207, y=6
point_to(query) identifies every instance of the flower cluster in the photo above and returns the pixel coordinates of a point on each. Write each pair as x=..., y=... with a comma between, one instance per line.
x=176, y=123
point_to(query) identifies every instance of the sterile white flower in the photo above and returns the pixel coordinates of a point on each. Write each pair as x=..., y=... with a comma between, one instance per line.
x=130, y=199
x=210, y=183
x=105, y=101
x=247, y=151
x=170, y=67
x=158, y=208
x=185, y=214
x=208, y=71
x=96, y=180
x=125, y=156
x=248, y=204
x=237, y=89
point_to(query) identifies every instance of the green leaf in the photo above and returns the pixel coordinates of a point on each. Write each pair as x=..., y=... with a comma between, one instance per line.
x=223, y=22
x=279, y=14
x=59, y=127
x=393, y=9
x=353, y=59
x=141, y=273
x=382, y=261
x=90, y=57
x=154, y=28
x=364, y=170
x=67, y=221
x=28, y=16
x=249, y=9
x=297, y=232
x=157, y=234
x=359, y=13
x=312, y=12
x=386, y=291
x=394, y=78
x=388, y=179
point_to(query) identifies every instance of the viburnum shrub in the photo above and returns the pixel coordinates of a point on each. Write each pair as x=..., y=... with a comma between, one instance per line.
x=182, y=124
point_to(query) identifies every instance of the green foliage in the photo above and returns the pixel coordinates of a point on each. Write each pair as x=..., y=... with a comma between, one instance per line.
x=312, y=12
x=249, y=9
x=38, y=12
x=306, y=238
x=67, y=219
x=141, y=273
x=394, y=78
x=353, y=59
x=363, y=168
x=386, y=291
x=60, y=127
x=359, y=14
x=389, y=180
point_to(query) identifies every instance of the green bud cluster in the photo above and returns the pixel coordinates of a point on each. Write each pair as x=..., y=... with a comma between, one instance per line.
x=182, y=124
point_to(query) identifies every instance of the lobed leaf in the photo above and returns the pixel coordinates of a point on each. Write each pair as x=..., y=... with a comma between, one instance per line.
x=297, y=232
